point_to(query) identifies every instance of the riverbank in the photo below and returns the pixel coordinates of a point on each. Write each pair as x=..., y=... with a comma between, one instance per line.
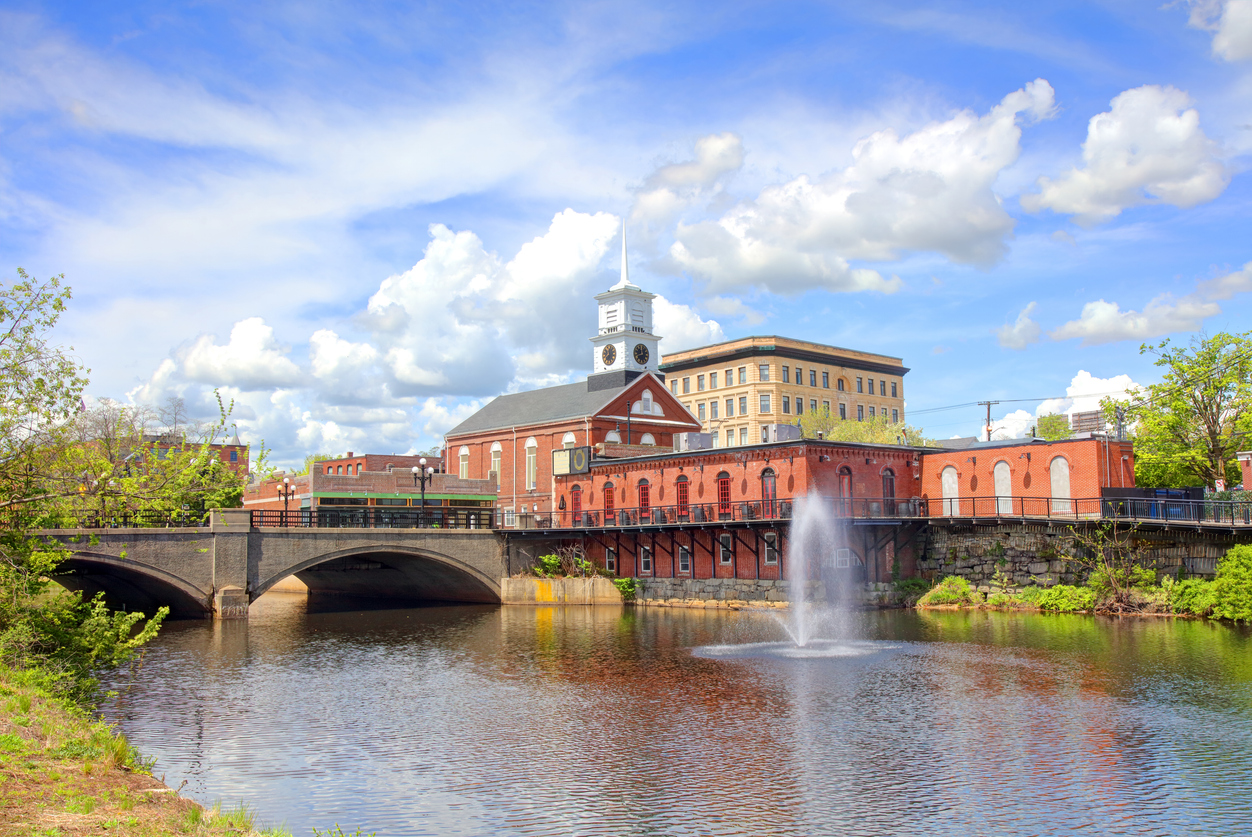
x=64, y=774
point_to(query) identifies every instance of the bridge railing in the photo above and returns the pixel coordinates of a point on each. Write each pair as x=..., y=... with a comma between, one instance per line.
x=126, y=520
x=715, y=512
x=375, y=517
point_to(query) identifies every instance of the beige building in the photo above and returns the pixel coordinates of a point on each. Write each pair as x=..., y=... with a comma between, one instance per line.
x=736, y=387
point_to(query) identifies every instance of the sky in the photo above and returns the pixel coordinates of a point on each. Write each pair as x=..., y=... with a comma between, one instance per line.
x=360, y=222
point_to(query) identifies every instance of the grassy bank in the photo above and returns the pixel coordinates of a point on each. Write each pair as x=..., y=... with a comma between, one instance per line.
x=63, y=773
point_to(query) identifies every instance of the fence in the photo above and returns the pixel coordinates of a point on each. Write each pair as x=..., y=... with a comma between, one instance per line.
x=127, y=520
x=376, y=517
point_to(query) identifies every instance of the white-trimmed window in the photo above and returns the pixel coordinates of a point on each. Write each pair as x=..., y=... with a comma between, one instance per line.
x=464, y=460
x=648, y=439
x=684, y=559
x=645, y=405
x=532, y=462
x=1058, y=471
x=726, y=548
x=610, y=560
x=771, y=547
x=645, y=560
x=497, y=453
x=568, y=441
x=613, y=436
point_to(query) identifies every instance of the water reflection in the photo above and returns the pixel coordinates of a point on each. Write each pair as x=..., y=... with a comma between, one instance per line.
x=482, y=720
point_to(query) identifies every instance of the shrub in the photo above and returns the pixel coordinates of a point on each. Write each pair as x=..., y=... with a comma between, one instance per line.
x=1232, y=588
x=1193, y=595
x=625, y=586
x=952, y=590
x=1062, y=598
x=912, y=589
x=1005, y=600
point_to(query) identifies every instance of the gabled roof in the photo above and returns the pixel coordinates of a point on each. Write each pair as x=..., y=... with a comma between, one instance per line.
x=550, y=404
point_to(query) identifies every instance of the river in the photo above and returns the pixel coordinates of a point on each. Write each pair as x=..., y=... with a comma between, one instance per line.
x=614, y=721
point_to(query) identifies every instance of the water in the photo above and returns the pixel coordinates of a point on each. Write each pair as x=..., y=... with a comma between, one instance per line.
x=618, y=721
x=815, y=535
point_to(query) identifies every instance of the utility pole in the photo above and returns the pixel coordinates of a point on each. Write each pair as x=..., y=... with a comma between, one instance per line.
x=988, y=404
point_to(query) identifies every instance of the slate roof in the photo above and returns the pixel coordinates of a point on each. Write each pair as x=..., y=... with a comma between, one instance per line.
x=536, y=407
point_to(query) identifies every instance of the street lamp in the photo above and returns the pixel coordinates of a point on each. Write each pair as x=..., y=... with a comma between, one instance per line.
x=422, y=475
x=286, y=491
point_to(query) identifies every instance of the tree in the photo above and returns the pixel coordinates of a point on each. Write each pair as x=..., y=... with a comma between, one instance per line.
x=316, y=457
x=877, y=430
x=1054, y=427
x=1188, y=427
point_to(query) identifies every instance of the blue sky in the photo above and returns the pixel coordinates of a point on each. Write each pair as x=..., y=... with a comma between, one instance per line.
x=361, y=222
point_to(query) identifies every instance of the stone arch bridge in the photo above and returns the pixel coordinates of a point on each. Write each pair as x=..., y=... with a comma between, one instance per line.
x=222, y=568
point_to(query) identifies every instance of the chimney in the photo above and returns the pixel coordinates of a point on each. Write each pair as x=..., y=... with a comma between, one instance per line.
x=349, y=454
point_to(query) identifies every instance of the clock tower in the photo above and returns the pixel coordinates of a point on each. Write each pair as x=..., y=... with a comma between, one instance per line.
x=624, y=346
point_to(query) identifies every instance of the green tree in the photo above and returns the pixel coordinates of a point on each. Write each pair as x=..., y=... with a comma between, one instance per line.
x=1187, y=428
x=312, y=458
x=1054, y=427
x=878, y=430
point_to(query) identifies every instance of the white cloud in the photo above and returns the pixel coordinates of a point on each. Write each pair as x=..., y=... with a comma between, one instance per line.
x=1084, y=394
x=1149, y=148
x=681, y=327
x=735, y=308
x=1022, y=332
x=1105, y=322
x=1224, y=287
x=930, y=190
x=672, y=189
x=1231, y=24
x=251, y=360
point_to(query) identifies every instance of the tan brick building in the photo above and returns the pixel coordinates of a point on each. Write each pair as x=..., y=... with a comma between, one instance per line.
x=736, y=387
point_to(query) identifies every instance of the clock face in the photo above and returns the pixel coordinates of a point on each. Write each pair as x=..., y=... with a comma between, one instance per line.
x=608, y=354
x=641, y=354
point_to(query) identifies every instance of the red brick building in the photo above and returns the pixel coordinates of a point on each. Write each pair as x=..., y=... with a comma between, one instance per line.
x=1245, y=466
x=378, y=463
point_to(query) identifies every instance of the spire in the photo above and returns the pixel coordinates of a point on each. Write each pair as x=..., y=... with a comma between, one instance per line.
x=624, y=282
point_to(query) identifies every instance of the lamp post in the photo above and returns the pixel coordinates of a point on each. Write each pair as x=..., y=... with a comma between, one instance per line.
x=286, y=491
x=422, y=475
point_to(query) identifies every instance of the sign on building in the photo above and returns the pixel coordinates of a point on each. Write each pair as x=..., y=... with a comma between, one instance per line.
x=571, y=461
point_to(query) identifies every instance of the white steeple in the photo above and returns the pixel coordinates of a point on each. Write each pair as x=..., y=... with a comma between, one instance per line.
x=624, y=343
x=624, y=282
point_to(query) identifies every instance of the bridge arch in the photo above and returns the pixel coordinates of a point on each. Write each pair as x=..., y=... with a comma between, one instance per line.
x=389, y=571
x=132, y=585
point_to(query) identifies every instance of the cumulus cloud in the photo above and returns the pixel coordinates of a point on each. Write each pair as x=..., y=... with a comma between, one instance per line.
x=1084, y=394
x=1224, y=287
x=1022, y=332
x=681, y=327
x=1149, y=148
x=1230, y=21
x=251, y=360
x=1105, y=322
x=673, y=188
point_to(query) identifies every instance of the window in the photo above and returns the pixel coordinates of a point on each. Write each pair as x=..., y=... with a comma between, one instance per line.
x=786, y=374
x=712, y=380
x=683, y=487
x=700, y=411
x=840, y=384
x=716, y=439
x=576, y=503
x=843, y=411
x=764, y=434
x=610, y=560
x=730, y=377
x=764, y=367
x=730, y=438
x=813, y=378
x=882, y=388
x=686, y=385
x=765, y=402
x=813, y=405
x=743, y=435
x=786, y=404
x=646, y=402
x=712, y=409
x=613, y=437
x=860, y=412
x=895, y=416
x=743, y=374
x=330, y=469
x=871, y=386
x=673, y=386
x=568, y=441
x=609, y=498
x=730, y=408
x=645, y=498
x=496, y=454
x=951, y=486
x=871, y=412
x=843, y=559
x=858, y=385
x=799, y=376
x=1059, y=472
x=234, y=456
x=532, y=462
x=799, y=406
x=358, y=469
x=889, y=491
x=699, y=383
x=723, y=492
x=771, y=548
x=338, y=469
x=684, y=559
x=893, y=390
x=726, y=548
x=845, y=491
x=647, y=439
x=769, y=493
x=645, y=560
x=463, y=457
x=826, y=381
x=1002, y=475
x=743, y=405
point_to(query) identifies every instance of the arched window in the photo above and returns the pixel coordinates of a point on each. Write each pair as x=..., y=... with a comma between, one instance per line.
x=648, y=439
x=645, y=499
x=888, y=491
x=845, y=491
x=338, y=469
x=613, y=437
x=532, y=462
x=464, y=460
x=683, y=486
x=610, y=503
x=1003, y=478
x=645, y=405
x=497, y=452
x=769, y=493
x=951, y=491
x=723, y=494
x=568, y=441
x=330, y=469
x=1059, y=471
x=576, y=504
x=358, y=469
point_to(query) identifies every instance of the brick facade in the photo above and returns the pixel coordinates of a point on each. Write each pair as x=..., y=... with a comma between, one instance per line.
x=1245, y=467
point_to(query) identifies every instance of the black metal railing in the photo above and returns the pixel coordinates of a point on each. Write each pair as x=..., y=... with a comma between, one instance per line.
x=737, y=512
x=1231, y=512
x=127, y=520
x=375, y=517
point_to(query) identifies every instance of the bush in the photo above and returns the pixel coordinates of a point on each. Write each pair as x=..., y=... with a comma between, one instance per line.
x=1062, y=598
x=1232, y=588
x=1193, y=595
x=912, y=589
x=952, y=590
x=625, y=586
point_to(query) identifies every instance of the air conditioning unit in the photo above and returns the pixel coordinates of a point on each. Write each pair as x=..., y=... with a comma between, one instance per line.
x=693, y=441
x=779, y=433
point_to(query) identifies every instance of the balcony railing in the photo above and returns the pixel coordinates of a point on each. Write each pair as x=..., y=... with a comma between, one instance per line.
x=375, y=517
x=734, y=512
